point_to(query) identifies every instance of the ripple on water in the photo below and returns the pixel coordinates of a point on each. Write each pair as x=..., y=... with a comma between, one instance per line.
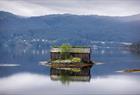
x=9, y=65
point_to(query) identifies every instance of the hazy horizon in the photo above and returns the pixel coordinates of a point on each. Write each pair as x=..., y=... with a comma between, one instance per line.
x=68, y=14
x=75, y=7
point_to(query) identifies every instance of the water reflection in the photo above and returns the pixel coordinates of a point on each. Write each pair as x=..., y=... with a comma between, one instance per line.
x=38, y=84
x=65, y=76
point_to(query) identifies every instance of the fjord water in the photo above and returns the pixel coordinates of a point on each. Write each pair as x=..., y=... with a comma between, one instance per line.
x=21, y=73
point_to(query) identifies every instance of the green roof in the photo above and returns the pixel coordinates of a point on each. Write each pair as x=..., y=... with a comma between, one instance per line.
x=73, y=49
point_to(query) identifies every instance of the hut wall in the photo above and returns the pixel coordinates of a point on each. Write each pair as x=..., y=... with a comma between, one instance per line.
x=55, y=55
x=84, y=56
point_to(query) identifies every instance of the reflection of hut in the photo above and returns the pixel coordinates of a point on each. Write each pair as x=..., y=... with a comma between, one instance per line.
x=68, y=75
x=81, y=52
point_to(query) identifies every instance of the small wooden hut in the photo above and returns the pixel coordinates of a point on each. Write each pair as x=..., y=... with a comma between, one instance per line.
x=81, y=52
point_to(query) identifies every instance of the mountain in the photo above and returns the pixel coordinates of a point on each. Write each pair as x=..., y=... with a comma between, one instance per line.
x=69, y=28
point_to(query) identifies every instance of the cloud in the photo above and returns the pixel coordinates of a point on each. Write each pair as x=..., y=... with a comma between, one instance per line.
x=79, y=7
x=24, y=8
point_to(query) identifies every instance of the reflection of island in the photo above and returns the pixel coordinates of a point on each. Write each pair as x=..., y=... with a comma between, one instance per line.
x=68, y=75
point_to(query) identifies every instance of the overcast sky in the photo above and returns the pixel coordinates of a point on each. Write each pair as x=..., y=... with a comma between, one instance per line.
x=79, y=7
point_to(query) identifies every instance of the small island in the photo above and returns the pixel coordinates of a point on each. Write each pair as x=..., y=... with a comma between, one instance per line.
x=67, y=56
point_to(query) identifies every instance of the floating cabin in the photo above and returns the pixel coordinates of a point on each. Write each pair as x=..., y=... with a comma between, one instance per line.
x=75, y=52
x=81, y=52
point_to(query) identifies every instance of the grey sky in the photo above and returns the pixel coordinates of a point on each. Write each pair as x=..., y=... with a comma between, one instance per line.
x=79, y=7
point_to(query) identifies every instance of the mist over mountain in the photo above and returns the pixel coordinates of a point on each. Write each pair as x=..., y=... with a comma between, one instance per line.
x=68, y=28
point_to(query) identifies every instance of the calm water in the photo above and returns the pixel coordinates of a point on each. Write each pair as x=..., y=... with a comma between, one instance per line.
x=21, y=74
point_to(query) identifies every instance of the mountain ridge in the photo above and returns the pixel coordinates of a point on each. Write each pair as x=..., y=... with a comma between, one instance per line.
x=69, y=28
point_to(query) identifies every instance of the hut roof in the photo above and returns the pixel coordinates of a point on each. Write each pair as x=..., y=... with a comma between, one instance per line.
x=73, y=50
